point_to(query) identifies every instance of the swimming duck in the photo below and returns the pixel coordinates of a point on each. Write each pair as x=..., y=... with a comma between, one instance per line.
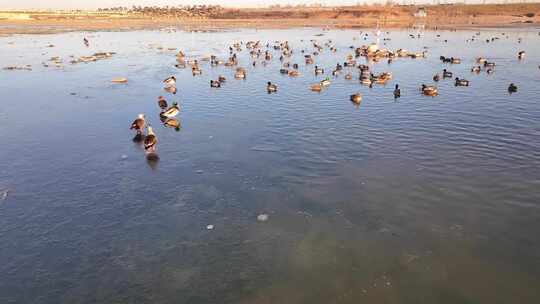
x=429, y=90
x=481, y=60
x=348, y=76
x=455, y=60
x=476, y=69
x=318, y=70
x=172, y=123
x=462, y=82
x=215, y=84
x=270, y=87
x=171, y=90
x=120, y=80
x=240, y=74
x=489, y=64
x=150, y=141
x=489, y=71
x=196, y=71
x=284, y=71
x=397, y=92
x=171, y=112
x=512, y=88
x=325, y=82
x=316, y=87
x=222, y=78
x=436, y=77
x=521, y=55
x=138, y=124
x=294, y=73
x=447, y=74
x=171, y=81
x=162, y=103
x=356, y=98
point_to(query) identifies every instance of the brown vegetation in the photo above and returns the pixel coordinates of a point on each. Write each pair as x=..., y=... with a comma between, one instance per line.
x=216, y=17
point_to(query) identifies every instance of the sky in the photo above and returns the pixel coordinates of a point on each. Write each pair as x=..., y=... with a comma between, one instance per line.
x=93, y=4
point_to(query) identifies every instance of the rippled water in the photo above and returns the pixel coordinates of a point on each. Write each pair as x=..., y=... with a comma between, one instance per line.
x=415, y=200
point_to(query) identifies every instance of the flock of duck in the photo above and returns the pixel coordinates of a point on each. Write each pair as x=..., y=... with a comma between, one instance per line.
x=263, y=54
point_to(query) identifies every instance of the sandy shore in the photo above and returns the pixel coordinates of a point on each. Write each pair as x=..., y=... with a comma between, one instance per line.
x=469, y=16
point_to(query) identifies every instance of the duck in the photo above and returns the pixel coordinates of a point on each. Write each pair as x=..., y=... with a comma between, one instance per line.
x=171, y=112
x=138, y=124
x=356, y=98
x=325, y=82
x=172, y=123
x=481, y=60
x=171, y=81
x=284, y=71
x=489, y=64
x=512, y=88
x=316, y=87
x=319, y=70
x=270, y=87
x=150, y=141
x=429, y=90
x=240, y=74
x=455, y=60
x=521, y=55
x=447, y=74
x=215, y=84
x=436, y=78
x=476, y=69
x=171, y=90
x=120, y=80
x=222, y=78
x=294, y=73
x=348, y=76
x=462, y=82
x=366, y=80
x=196, y=71
x=489, y=71
x=162, y=103
x=397, y=91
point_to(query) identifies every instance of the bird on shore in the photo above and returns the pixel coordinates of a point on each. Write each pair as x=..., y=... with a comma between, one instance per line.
x=397, y=91
x=138, y=124
x=150, y=141
x=270, y=87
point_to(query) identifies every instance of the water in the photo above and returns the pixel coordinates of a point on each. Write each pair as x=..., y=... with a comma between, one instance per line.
x=415, y=200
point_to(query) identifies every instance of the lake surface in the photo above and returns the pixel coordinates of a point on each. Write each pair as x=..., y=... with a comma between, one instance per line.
x=414, y=200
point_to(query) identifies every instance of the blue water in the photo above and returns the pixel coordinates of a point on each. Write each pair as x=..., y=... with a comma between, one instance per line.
x=414, y=200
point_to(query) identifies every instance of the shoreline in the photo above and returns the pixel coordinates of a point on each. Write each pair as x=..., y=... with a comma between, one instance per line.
x=38, y=27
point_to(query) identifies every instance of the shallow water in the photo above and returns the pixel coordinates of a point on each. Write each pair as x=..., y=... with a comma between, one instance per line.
x=415, y=200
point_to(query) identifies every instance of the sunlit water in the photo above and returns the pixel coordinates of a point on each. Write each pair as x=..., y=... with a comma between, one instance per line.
x=415, y=200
